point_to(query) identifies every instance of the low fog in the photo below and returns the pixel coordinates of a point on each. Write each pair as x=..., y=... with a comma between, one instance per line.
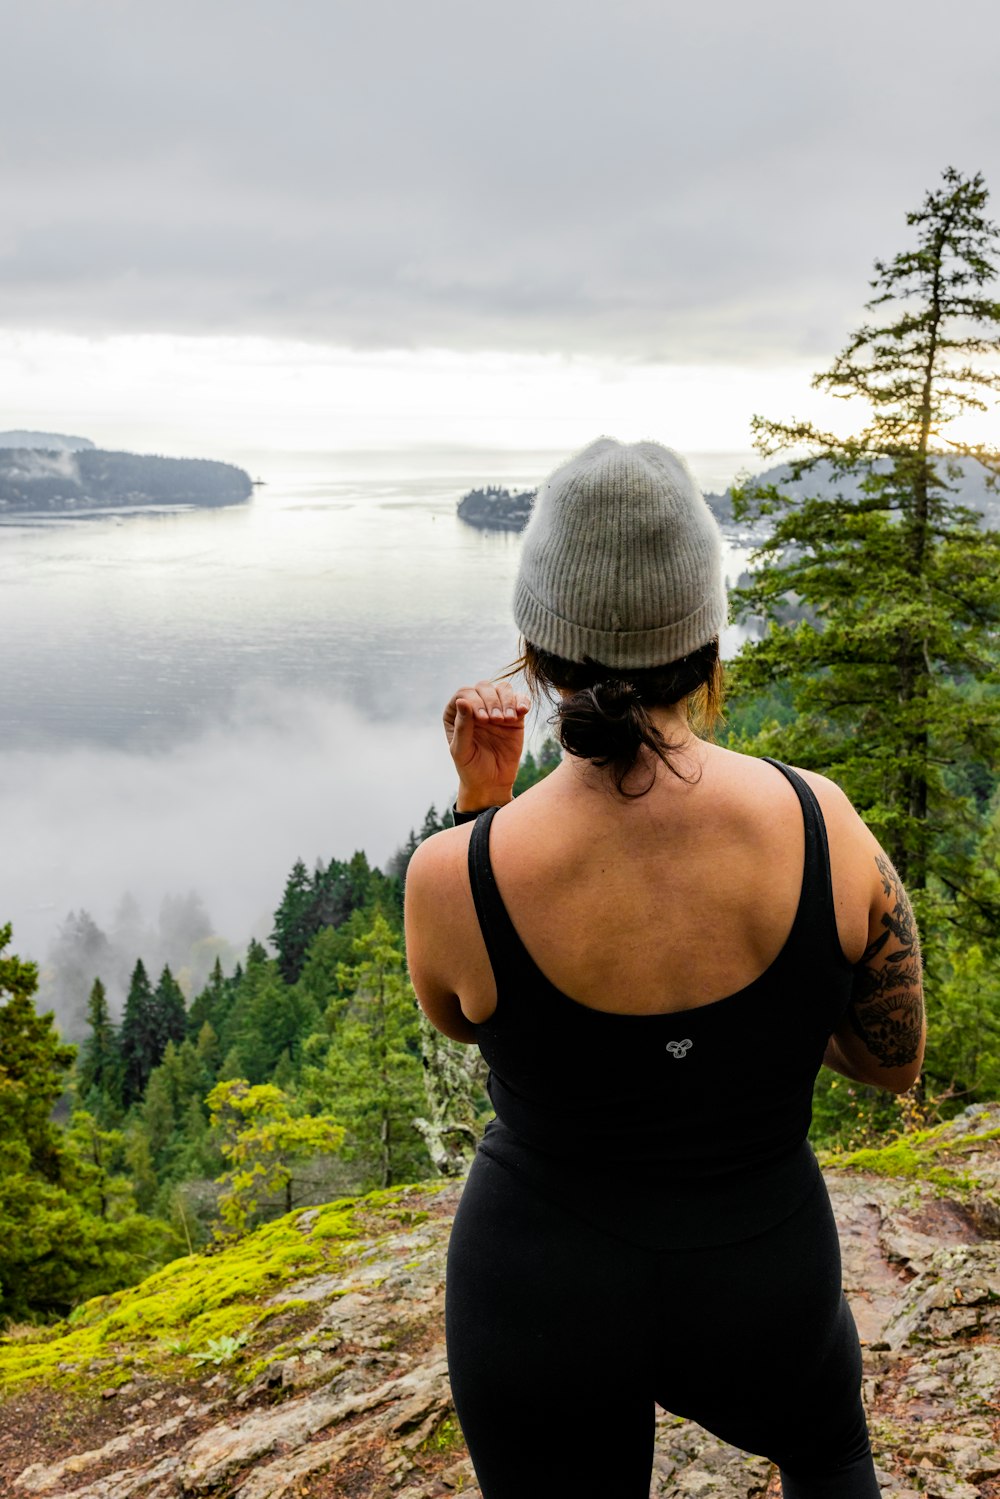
x=181, y=854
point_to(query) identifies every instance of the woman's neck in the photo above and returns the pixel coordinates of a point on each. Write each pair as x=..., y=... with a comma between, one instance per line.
x=687, y=754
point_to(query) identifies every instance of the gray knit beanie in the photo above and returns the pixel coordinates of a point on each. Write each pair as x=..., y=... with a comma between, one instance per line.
x=621, y=560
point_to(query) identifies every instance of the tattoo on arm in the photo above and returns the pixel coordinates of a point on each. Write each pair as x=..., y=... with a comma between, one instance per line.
x=887, y=1005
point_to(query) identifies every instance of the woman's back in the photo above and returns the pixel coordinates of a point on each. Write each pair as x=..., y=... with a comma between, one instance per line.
x=654, y=983
x=689, y=1122
x=668, y=902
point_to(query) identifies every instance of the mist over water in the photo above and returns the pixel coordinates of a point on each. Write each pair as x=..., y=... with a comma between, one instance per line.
x=192, y=700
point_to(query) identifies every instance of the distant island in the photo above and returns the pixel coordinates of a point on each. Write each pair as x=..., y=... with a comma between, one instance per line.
x=497, y=509
x=47, y=471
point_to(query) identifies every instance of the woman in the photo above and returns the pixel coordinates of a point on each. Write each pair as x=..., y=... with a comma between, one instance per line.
x=655, y=949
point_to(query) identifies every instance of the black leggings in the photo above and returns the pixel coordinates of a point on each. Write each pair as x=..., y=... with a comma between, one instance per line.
x=560, y=1341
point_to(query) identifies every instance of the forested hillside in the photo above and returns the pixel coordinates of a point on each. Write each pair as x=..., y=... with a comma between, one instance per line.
x=40, y=479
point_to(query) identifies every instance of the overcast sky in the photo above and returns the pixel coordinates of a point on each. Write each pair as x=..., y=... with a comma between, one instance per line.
x=628, y=182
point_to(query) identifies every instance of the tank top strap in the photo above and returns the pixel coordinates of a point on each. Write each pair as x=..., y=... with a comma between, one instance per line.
x=817, y=915
x=507, y=953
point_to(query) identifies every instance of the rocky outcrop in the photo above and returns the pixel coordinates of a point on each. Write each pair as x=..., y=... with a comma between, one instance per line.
x=341, y=1388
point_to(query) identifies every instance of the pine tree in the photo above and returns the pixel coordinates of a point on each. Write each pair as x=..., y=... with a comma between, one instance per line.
x=293, y=928
x=339, y=889
x=431, y=824
x=325, y=977
x=209, y=1052
x=33, y=1067
x=256, y=957
x=99, y=1081
x=140, y=1036
x=80, y=951
x=174, y=1096
x=532, y=769
x=326, y=899
x=139, y=1159
x=885, y=668
x=68, y=1229
x=211, y=1005
x=398, y=863
x=95, y=1174
x=899, y=583
x=275, y=1017
x=159, y=1119
x=266, y=1017
x=369, y=1073
x=169, y=1010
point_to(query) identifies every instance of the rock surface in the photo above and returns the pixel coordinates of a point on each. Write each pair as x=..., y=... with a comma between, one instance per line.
x=348, y=1394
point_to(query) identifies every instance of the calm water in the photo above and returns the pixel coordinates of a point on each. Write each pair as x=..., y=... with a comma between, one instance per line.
x=349, y=577
x=192, y=700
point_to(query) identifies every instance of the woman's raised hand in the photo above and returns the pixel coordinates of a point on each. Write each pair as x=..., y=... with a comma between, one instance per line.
x=485, y=729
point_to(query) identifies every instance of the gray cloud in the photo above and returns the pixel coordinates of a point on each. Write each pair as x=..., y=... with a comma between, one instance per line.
x=626, y=177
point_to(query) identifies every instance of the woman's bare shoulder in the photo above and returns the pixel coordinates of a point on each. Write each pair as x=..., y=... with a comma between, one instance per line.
x=837, y=808
x=849, y=837
x=755, y=771
x=440, y=856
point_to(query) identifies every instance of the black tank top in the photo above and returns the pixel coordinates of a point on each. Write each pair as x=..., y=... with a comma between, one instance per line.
x=672, y=1130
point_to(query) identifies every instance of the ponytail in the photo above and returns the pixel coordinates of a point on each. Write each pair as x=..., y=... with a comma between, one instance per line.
x=605, y=718
x=608, y=724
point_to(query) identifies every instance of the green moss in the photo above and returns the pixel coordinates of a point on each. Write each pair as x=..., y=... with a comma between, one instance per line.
x=888, y=1435
x=973, y=1140
x=282, y=1308
x=336, y=1220
x=198, y=1298
x=250, y=1371
x=904, y=1158
x=446, y=1436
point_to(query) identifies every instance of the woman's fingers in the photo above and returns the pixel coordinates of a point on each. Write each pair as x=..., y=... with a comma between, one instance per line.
x=460, y=717
x=500, y=700
x=494, y=702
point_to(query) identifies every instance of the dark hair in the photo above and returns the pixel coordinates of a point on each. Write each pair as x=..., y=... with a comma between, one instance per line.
x=605, y=718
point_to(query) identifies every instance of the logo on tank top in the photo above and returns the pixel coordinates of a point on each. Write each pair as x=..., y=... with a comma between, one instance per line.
x=679, y=1048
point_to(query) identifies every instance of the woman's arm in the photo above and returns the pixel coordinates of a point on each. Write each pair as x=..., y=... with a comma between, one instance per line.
x=484, y=725
x=429, y=947
x=882, y=1037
